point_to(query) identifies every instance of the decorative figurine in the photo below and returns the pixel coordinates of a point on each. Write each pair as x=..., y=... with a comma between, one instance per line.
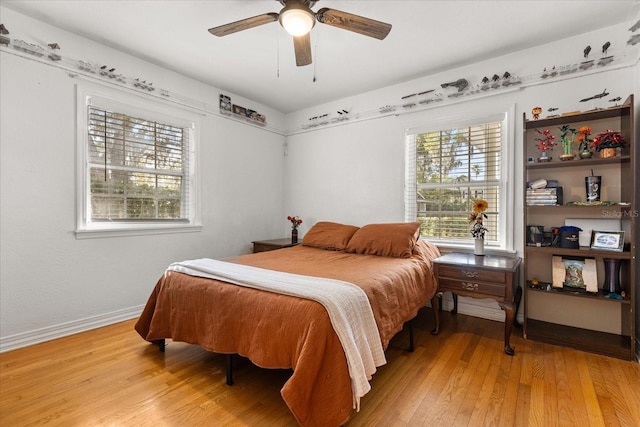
x=461, y=84
x=536, y=111
x=596, y=96
x=3, y=32
x=53, y=55
x=634, y=39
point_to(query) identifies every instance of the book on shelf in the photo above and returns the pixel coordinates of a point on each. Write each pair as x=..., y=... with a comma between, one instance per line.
x=544, y=196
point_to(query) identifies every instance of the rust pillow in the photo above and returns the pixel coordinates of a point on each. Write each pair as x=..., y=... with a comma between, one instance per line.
x=395, y=240
x=329, y=235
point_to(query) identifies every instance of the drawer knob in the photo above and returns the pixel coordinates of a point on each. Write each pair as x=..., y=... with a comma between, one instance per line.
x=469, y=286
x=470, y=274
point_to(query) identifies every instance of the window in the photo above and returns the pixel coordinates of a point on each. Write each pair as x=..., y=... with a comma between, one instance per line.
x=137, y=170
x=450, y=167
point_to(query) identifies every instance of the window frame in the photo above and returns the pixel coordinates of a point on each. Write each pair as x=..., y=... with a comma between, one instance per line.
x=505, y=239
x=140, y=106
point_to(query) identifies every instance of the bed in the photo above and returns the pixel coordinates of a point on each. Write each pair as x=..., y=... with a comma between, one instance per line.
x=387, y=262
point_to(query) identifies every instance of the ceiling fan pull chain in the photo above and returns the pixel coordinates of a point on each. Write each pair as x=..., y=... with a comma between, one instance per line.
x=315, y=55
x=277, y=52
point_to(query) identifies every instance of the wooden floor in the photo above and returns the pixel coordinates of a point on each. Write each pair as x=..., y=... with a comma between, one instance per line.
x=111, y=377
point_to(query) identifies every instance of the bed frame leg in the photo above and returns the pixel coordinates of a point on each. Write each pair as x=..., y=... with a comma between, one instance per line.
x=229, y=369
x=411, y=336
x=160, y=343
x=435, y=307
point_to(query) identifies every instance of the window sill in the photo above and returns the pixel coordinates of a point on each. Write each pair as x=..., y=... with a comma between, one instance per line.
x=135, y=231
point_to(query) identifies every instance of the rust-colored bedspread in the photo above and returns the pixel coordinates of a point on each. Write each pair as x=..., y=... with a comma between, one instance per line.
x=279, y=331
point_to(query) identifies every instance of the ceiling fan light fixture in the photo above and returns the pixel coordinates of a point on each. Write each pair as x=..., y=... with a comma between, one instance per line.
x=297, y=19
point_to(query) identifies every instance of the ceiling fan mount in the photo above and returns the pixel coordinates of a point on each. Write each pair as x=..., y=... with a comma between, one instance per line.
x=298, y=19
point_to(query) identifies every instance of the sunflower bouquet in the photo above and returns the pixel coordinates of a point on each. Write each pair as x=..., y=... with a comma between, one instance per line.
x=477, y=217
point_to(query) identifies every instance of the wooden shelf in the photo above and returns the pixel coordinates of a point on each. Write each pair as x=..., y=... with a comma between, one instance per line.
x=607, y=113
x=600, y=296
x=582, y=339
x=624, y=211
x=579, y=162
x=582, y=252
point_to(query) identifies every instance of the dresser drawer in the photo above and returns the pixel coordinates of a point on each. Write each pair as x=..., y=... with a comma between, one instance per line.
x=446, y=284
x=473, y=274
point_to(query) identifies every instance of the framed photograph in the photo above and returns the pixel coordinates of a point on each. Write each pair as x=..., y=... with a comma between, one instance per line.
x=225, y=103
x=239, y=110
x=607, y=240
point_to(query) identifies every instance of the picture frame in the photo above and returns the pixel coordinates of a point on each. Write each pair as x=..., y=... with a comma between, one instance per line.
x=225, y=103
x=241, y=111
x=607, y=240
x=577, y=274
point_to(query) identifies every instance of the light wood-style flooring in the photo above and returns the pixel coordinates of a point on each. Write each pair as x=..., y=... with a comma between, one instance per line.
x=111, y=377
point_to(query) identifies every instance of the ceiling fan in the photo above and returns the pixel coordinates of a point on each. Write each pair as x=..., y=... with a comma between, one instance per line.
x=298, y=19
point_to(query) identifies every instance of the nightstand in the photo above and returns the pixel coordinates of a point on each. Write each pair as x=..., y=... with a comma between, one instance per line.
x=494, y=277
x=270, y=245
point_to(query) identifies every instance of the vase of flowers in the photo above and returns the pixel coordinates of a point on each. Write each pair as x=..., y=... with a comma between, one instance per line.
x=606, y=143
x=567, y=142
x=476, y=219
x=545, y=144
x=295, y=222
x=584, y=146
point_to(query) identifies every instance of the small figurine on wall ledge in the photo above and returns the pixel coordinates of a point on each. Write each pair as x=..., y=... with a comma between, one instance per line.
x=596, y=96
x=3, y=32
x=536, y=111
x=461, y=84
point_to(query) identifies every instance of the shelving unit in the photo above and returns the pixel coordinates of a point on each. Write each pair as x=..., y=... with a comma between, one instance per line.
x=569, y=317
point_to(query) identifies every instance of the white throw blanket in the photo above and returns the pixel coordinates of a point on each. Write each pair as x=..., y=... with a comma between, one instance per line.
x=347, y=305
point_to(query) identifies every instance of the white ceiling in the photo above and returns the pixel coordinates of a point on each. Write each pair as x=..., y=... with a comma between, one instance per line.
x=427, y=37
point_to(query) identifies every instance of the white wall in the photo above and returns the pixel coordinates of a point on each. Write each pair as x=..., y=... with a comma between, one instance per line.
x=353, y=171
x=52, y=284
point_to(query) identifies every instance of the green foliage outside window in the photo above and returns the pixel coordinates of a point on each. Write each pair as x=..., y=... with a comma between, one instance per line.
x=453, y=168
x=136, y=168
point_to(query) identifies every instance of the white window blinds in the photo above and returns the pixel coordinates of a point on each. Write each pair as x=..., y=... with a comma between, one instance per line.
x=138, y=168
x=447, y=170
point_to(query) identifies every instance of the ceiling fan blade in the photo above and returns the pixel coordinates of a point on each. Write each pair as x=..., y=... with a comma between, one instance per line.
x=355, y=23
x=243, y=24
x=302, y=47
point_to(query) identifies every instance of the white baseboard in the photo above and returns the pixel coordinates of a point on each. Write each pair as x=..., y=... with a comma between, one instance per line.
x=49, y=333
